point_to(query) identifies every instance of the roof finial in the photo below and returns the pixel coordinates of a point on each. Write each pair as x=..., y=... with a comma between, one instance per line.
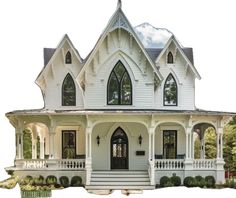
x=119, y=4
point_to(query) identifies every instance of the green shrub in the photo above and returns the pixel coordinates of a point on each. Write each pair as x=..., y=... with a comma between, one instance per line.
x=64, y=181
x=230, y=183
x=27, y=180
x=165, y=182
x=210, y=181
x=189, y=182
x=39, y=180
x=200, y=181
x=175, y=180
x=76, y=181
x=51, y=180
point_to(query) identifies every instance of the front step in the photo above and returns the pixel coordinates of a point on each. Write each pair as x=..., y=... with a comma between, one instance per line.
x=115, y=180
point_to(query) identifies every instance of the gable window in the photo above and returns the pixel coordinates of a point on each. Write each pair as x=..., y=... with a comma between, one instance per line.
x=170, y=91
x=68, y=58
x=119, y=87
x=68, y=91
x=170, y=58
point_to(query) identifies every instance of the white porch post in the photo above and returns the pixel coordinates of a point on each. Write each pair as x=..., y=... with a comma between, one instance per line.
x=52, y=134
x=42, y=148
x=188, y=163
x=188, y=143
x=219, y=143
x=219, y=158
x=19, y=142
x=151, y=132
x=34, y=149
x=88, y=162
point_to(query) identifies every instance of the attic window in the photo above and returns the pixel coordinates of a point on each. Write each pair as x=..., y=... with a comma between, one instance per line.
x=170, y=58
x=68, y=58
x=68, y=91
x=170, y=91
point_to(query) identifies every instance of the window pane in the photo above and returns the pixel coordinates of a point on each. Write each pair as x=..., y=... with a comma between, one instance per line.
x=169, y=144
x=170, y=58
x=68, y=145
x=68, y=92
x=170, y=91
x=68, y=58
x=119, y=70
x=113, y=90
x=126, y=90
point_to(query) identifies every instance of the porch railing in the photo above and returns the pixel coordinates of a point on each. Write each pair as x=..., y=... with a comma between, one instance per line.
x=204, y=164
x=169, y=164
x=58, y=164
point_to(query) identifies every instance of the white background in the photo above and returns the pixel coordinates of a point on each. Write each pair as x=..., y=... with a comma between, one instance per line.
x=27, y=26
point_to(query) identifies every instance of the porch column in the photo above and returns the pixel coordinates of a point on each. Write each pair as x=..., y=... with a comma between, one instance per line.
x=88, y=148
x=42, y=149
x=151, y=133
x=34, y=149
x=219, y=143
x=188, y=143
x=19, y=148
x=52, y=134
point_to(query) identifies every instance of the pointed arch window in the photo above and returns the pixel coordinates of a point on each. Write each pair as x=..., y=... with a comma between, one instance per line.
x=68, y=91
x=68, y=59
x=170, y=58
x=119, y=86
x=170, y=91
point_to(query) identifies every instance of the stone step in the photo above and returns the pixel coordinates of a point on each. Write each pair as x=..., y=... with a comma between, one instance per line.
x=120, y=183
x=120, y=172
x=117, y=176
x=119, y=187
x=120, y=179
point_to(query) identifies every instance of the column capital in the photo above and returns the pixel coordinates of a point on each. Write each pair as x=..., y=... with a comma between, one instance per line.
x=188, y=130
x=151, y=130
x=89, y=130
x=219, y=130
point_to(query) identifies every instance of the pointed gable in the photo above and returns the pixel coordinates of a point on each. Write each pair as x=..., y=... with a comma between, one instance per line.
x=186, y=53
x=118, y=22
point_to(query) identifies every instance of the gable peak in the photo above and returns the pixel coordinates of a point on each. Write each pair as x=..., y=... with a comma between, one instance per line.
x=119, y=4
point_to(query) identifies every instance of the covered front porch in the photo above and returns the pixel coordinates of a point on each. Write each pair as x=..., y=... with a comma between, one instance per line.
x=155, y=144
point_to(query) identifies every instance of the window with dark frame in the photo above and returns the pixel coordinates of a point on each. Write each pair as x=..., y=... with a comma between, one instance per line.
x=68, y=144
x=68, y=91
x=170, y=58
x=119, y=86
x=170, y=91
x=169, y=144
x=68, y=59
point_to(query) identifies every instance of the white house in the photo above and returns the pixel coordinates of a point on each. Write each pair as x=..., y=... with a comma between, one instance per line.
x=121, y=118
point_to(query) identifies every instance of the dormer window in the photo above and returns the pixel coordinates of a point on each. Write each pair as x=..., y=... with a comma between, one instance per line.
x=119, y=86
x=68, y=58
x=68, y=91
x=170, y=91
x=170, y=58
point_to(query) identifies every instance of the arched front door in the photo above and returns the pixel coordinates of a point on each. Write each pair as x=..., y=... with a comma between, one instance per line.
x=119, y=150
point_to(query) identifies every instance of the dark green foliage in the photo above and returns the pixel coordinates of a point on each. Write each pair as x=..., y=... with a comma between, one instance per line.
x=27, y=144
x=175, y=180
x=230, y=183
x=64, y=181
x=189, y=182
x=76, y=181
x=200, y=181
x=210, y=182
x=27, y=180
x=165, y=182
x=51, y=180
x=39, y=180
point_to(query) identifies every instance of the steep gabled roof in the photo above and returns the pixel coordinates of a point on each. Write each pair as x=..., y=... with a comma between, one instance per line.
x=187, y=58
x=50, y=54
x=119, y=20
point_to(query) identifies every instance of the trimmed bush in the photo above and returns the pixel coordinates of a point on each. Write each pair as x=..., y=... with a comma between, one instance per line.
x=210, y=181
x=200, y=181
x=76, y=181
x=189, y=182
x=175, y=180
x=165, y=182
x=39, y=180
x=27, y=180
x=64, y=181
x=51, y=180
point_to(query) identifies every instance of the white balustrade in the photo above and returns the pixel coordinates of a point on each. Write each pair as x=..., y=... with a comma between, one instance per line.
x=169, y=164
x=60, y=164
x=204, y=164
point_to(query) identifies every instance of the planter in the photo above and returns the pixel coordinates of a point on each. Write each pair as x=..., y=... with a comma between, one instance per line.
x=36, y=194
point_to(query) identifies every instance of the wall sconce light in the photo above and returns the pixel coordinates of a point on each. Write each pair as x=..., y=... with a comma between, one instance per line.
x=140, y=139
x=98, y=140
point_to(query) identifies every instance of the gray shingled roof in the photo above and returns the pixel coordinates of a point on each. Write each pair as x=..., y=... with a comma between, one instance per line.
x=48, y=53
x=154, y=53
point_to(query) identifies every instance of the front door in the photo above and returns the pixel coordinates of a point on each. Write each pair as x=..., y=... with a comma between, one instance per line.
x=119, y=150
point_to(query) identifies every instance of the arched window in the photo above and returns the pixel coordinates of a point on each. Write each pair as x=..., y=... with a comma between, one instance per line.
x=119, y=86
x=68, y=58
x=68, y=91
x=170, y=58
x=170, y=91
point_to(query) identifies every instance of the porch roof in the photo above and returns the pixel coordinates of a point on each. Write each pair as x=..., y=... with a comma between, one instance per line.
x=119, y=111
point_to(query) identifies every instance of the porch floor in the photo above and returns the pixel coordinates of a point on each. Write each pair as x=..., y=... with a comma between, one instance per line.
x=119, y=180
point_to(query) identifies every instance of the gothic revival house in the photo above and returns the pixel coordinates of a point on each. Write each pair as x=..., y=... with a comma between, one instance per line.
x=120, y=119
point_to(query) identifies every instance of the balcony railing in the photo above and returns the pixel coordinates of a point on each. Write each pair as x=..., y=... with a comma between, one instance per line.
x=57, y=164
x=209, y=164
x=169, y=164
